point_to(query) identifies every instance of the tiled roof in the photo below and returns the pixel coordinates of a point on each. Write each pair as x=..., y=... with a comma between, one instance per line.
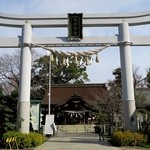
x=62, y=93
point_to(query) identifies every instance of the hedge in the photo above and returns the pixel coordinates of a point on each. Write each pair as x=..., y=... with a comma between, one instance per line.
x=24, y=140
x=127, y=138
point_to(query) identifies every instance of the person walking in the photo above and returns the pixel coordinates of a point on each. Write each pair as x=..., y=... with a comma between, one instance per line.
x=101, y=133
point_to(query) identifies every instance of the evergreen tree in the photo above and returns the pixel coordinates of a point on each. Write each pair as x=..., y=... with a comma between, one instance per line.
x=60, y=74
x=8, y=111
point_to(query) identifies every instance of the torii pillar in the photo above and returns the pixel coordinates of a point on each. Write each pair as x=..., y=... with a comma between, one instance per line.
x=25, y=81
x=129, y=109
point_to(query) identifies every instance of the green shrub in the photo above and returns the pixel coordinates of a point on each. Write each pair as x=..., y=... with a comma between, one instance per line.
x=127, y=138
x=24, y=140
x=37, y=139
x=147, y=131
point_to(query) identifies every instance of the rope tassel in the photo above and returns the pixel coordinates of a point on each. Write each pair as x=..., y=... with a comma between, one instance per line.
x=64, y=61
x=56, y=59
x=78, y=57
x=51, y=57
x=67, y=61
x=88, y=60
x=97, y=58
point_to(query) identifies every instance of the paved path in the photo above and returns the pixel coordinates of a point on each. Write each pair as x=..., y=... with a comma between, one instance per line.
x=76, y=142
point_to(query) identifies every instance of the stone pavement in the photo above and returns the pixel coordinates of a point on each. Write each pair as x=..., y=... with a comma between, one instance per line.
x=86, y=141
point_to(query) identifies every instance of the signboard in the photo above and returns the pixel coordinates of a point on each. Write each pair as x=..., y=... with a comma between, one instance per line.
x=49, y=127
x=75, y=26
x=35, y=114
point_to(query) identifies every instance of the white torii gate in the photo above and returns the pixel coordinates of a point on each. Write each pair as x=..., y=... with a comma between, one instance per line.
x=122, y=21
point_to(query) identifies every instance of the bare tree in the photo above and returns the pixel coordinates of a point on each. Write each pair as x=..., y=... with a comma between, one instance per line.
x=139, y=81
x=10, y=70
x=140, y=88
x=9, y=75
x=107, y=102
x=148, y=78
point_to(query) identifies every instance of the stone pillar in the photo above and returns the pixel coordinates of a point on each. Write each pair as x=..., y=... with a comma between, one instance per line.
x=25, y=81
x=129, y=109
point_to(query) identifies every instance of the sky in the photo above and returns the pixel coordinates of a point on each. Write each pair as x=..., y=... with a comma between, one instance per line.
x=109, y=58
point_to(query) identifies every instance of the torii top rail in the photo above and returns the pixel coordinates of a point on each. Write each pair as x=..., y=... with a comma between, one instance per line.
x=96, y=20
x=58, y=21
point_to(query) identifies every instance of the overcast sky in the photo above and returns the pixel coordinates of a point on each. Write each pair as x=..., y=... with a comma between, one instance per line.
x=109, y=58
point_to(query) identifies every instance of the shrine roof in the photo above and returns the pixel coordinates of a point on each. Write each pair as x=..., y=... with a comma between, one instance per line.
x=63, y=92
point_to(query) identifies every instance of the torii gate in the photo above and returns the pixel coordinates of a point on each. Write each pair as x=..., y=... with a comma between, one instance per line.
x=123, y=22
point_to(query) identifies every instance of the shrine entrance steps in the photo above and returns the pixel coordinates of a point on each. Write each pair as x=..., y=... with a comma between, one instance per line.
x=81, y=128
